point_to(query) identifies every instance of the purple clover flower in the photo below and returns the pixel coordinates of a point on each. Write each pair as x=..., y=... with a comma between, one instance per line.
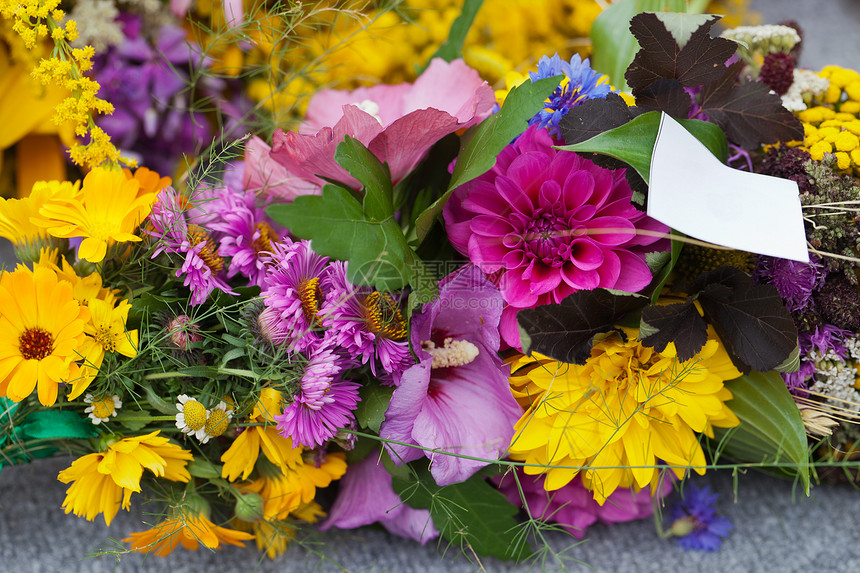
x=794, y=281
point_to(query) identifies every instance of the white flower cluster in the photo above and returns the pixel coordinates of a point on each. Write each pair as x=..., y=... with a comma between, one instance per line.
x=97, y=24
x=768, y=38
x=807, y=85
x=835, y=378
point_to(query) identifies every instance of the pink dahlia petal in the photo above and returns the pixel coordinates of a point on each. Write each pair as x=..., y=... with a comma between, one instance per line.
x=635, y=274
x=529, y=170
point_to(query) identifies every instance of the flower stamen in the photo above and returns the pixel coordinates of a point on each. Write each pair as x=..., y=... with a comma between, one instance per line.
x=383, y=316
x=35, y=343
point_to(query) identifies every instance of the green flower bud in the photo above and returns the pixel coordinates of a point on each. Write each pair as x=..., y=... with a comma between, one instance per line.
x=249, y=507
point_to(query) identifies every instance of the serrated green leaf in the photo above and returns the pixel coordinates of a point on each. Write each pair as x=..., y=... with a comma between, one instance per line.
x=56, y=424
x=471, y=512
x=452, y=48
x=633, y=142
x=370, y=412
x=483, y=142
x=613, y=46
x=373, y=175
x=771, y=429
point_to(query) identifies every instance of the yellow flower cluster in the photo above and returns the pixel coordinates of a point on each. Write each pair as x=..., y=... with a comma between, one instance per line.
x=34, y=20
x=834, y=125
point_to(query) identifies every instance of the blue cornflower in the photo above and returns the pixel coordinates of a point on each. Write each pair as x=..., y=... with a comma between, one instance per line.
x=581, y=83
x=694, y=520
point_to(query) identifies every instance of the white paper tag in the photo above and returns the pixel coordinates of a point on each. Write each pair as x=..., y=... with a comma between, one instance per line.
x=691, y=191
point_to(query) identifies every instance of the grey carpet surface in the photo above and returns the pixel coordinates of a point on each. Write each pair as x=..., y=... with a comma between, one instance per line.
x=776, y=528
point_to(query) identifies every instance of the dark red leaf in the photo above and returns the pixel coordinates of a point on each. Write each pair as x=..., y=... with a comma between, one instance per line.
x=679, y=323
x=667, y=95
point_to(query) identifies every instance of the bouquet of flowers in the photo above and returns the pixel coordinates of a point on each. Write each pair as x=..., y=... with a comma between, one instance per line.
x=364, y=294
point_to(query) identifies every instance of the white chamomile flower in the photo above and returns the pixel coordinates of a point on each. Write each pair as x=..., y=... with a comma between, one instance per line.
x=192, y=416
x=101, y=409
x=217, y=421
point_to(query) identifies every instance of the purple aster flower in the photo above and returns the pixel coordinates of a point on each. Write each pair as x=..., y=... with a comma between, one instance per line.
x=293, y=291
x=794, y=281
x=548, y=223
x=457, y=399
x=580, y=83
x=822, y=339
x=324, y=403
x=365, y=322
x=201, y=267
x=572, y=506
x=366, y=497
x=694, y=519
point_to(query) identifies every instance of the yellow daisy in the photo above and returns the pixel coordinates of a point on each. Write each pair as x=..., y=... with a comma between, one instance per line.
x=107, y=333
x=242, y=455
x=108, y=211
x=41, y=329
x=616, y=416
x=17, y=215
x=103, y=481
x=187, y=529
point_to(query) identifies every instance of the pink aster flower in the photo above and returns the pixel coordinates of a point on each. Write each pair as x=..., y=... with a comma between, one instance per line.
x=457, y=399
x=366, y=497
x=202, y=267
x=398, y=123
x=548, y=223
x=293, y=293
x=324, y=403
x=573, y=507
x=366, y=323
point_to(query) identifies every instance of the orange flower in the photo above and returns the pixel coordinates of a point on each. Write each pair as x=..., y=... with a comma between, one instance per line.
x=187, y=529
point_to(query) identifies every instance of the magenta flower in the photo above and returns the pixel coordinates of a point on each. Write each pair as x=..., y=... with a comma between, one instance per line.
x=324, y=403
x=573, y=507
x=398, y=123
x=293, y=291
x=457, y=399
x=548, y=223
x=366, y=323
x=366, y=496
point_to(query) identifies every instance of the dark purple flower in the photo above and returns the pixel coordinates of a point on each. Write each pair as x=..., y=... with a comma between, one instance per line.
x=794, y=281
x=457, y=399
x=695, y=521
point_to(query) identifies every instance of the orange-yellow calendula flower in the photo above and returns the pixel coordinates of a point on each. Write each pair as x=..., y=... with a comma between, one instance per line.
x=188, y=529
x=108, y=211
x=41, y=329
x=104, y=481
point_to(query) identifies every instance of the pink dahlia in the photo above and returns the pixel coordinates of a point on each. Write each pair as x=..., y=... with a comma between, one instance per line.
x=398, y=123
x=547, y=223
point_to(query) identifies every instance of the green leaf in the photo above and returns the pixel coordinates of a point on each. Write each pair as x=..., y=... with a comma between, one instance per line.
x=158, y=403
x=613, y=46
x=483, y=143
x=231, y=355
x=56, y=424
x=771, y=429
x=660, y=280
x=471, y=512
x=452, y=48
x=370, y=412
x=335, y=222
x=371, y=173
x=634, y=141
x=203, y=468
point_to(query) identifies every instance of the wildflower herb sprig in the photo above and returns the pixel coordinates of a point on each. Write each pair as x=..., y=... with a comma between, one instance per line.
x=35, y=20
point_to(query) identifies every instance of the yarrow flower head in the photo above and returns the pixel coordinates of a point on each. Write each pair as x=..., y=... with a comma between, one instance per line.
x=695, y=521
x=580, y=83
x=366, y=323
x=628, y=406
x=548, y=223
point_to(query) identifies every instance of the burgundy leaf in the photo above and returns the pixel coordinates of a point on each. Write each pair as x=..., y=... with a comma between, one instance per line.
x=679, y=323
x=667, y=95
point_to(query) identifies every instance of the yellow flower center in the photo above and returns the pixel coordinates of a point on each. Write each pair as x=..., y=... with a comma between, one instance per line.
x=195, y=415
x=209, y=252
x=103, y=408
x=383, y=316
x=310, y=295
x=451, y=353
x=217, y=422
x=264, y=242
x=104, y=338
x=35, y=344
